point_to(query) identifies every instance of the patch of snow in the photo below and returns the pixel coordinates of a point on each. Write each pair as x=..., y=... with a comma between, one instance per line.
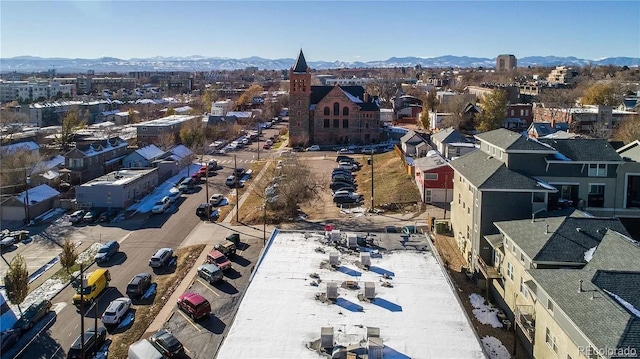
x=589, y=254
x=47, y=290
x=494, y=348
x=561, y=157
x=545, y=185
x=146, y=203
x=635, y=311
x=486, y=314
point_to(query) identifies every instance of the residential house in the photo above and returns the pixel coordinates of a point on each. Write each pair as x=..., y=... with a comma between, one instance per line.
x=513, y=92
x=515, y=177
x=118, y=189
x=31, y=203
x=584, y=119
x=143, y=157
x=518, y=116
x=566, y=282
x=28, y=146
x=329, y=115
x=89, y=161
x=406, y=108
x=540, y=129
x=243, y=118
x=630, y=151
x=415, y=144
x=450, y=143
x=434, y=178
x=150, y=131
x=47, y=171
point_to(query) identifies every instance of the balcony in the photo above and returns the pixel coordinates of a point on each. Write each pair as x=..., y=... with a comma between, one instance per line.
x=489, y=272
x=525, y=319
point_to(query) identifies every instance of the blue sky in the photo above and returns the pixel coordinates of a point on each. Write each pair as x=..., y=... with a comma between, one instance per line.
x=327, y=30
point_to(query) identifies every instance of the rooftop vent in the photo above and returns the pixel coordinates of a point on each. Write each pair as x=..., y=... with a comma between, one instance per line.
x=326, y=337
x=369, y=290
x=580, y=286
x=365, y=259
x=332, y=290
x=373, y=332
x=352, y=240
x=334, y=259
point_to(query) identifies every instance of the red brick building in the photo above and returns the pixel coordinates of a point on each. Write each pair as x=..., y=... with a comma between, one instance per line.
x=329, y=115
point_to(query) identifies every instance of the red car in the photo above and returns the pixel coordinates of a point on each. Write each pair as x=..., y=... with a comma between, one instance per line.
x=266, y=146
x=195, y=305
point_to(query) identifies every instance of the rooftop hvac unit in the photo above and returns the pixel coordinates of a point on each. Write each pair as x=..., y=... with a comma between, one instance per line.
x=332, y=290
x=335, y=235
x=333, y=259
x=369, y=290
x=352, y=240
x=365, y=259
x=326, y=337
x=375, y=348
x=373, y=332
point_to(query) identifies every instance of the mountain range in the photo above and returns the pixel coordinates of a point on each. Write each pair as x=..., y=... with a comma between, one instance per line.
x=203, y=63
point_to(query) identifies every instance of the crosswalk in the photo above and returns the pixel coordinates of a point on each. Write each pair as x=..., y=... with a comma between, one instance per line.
x=230, y=161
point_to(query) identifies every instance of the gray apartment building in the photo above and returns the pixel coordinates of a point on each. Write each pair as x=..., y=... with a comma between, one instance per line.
x=118, y=189
x=150, y=131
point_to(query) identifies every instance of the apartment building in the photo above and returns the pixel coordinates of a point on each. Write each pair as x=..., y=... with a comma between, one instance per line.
x=34, y=90
x=515, y=177
x=118, y=189
x=220, y=108
x=567, y=284
x=562, y=75
x=148, y=132
x=506, y=63
x=583, y=119
x=89, y=161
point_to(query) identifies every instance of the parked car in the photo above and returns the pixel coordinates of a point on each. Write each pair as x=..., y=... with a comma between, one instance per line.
x=352, y=198
x=216, y=199
x=173, y=196
x=232, y=181
x=195, y=305
x=91, y=216
x=342, y=193
x=93, y=340
x=345, y=151
x=166, y=343
x=216, y=257
x=161, y=205
x=201, y=211
x=313, y=148
x=116, y=310
x=210, y=272
x=107, y=251
x=108, y=215
x=7, y=242
x=138, y=285
x=345, y=158
x=335, y=186
x=76, y=216
x=266, y=146
x=161, y=258
x=342, y=177
x=239, y=172
x=8, y=338
x=32, y=315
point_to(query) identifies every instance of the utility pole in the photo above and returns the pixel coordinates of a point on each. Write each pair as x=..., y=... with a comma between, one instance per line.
x=206, y=190
x=26, y=202
x=237, y=180
x=371, y=163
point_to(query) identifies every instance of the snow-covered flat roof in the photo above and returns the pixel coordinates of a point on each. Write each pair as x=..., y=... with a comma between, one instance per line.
x=418, y=316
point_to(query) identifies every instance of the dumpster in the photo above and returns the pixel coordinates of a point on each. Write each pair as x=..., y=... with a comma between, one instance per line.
x=234, y=238
x=442, y=227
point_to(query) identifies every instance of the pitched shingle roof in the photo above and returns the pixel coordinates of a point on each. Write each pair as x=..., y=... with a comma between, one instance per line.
x=448, y=135
x=582, y=149
x=596, y=313
x=301, y=63
x=511, y=141
x=486, y=172
x=560, y=241
x=150, y=152
x=542, y=128
x=353, y=92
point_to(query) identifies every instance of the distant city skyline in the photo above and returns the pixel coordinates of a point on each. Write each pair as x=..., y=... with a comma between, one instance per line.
x=326, y=31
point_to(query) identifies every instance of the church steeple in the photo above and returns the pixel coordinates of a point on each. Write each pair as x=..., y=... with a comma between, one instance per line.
x=301, y=64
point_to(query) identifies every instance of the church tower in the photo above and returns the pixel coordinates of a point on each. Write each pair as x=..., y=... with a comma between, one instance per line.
x=300, y=123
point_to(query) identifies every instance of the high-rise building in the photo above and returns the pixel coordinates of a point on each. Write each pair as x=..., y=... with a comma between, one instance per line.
x=506, y=63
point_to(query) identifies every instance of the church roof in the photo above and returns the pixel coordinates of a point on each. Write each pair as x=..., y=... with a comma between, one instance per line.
x=301, y=63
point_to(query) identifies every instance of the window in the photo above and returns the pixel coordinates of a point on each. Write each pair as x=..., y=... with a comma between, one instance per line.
x=476, y=201
x=469, y=210
x=327, y=111
x=523, y=288
x=550, y=339
x=464, y=205
x=144, y=128
x=345, y=111
x=596, y=195
x=430, y=176
x=327, y=123
x=468, y=232
x=459, y=199
x=597, y=170
x=522, y=257
x=549, y=305
x=336, y=123
x=510, y=270
x=345, y=123
x=493, y=151
x=336, y=109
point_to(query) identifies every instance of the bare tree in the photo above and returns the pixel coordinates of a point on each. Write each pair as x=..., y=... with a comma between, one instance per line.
x=455, y=106
x=69, y=255
x=16, y=281
x=166, y=141
x=628, y=130
x=70, y=124
x=558, y=103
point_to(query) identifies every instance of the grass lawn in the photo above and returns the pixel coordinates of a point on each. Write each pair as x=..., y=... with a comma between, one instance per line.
x=145, y=314
x=391, y=182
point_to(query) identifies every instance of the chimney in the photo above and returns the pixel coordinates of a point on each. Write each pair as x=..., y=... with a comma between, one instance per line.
x=366, y=97
x=580, y=286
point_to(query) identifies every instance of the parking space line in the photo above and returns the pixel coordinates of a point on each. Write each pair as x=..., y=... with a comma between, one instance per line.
x=208, y=287
x=189, y=320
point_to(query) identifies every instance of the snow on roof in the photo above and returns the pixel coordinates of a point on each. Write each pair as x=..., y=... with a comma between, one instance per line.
x=38, y=194
x=26, y=146
x=240, y=114
x=279, y=314
x=163, y=189
x=635, y=311
x=46, y=165
x=351, y=97
x=150, y=152
x=91, y=151
x=181, y=151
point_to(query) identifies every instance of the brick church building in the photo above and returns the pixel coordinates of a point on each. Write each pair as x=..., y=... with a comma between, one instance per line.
x=329, y=115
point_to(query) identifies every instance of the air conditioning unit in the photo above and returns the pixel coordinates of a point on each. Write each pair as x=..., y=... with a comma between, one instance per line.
x=373, y=332
x=365, y=259
x=332, y=290
x=326, y=337
x=352, y=240
x=334, y=259
x=369, y=290
x=375, y=348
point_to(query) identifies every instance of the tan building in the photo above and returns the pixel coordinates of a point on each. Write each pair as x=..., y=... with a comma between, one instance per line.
x=150, y=131
x=564, y=281
x=506, y=63
x=562, y=75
